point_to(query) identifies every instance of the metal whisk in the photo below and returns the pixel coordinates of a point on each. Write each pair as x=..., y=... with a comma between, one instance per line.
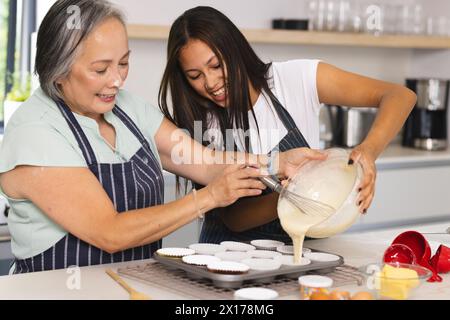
x=306, y=205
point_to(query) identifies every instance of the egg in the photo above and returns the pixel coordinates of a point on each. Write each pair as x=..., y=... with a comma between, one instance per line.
x=339, y=295
x=363, y=295
x=319, y=296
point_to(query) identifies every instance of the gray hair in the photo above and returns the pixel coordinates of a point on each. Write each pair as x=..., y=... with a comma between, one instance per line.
x=66, y=25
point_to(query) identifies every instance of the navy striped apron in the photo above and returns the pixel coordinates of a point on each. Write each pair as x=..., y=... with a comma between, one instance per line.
x=131, y=185
x=215, y=231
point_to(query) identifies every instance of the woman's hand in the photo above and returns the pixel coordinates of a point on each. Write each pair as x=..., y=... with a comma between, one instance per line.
x=363, y=155
x=290, y=161
x=235, y=182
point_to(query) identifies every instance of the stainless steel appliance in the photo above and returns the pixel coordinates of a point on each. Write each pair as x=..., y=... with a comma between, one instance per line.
x=345, y=126
x=426, y=126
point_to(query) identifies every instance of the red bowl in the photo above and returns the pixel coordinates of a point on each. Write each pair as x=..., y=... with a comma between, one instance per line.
x=399, y=253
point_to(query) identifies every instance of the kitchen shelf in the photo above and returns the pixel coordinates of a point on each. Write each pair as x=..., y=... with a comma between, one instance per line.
x=294, y=37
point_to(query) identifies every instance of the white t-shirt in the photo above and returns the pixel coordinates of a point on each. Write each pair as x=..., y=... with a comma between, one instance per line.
x=294, y=85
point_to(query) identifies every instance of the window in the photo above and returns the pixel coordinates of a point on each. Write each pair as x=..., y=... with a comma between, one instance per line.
x=17, y=23
x=4, y=14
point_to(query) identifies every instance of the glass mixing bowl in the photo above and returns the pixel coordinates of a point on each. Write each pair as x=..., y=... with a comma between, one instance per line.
x=333, y=182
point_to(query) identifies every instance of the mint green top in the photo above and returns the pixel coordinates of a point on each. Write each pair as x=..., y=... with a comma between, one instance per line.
x=38, y=135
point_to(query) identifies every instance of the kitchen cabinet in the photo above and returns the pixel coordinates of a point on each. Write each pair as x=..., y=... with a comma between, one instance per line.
x=412, y=186
x=410, y=195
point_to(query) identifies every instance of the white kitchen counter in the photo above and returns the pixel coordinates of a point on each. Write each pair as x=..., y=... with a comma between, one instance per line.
x=357, y=249
x=395, y=156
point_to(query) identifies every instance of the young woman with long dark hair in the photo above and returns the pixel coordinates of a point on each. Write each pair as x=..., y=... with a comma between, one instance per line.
x=214, y=80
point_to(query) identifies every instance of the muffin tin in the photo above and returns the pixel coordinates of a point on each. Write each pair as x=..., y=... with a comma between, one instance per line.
x=252, y=276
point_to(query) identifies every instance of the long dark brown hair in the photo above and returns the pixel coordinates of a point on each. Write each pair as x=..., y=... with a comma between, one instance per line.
x=232, y=50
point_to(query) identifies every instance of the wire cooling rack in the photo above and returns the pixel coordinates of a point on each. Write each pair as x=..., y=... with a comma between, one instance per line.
x=178, y=281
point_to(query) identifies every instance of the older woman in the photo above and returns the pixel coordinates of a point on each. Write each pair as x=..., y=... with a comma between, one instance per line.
x=80, y=151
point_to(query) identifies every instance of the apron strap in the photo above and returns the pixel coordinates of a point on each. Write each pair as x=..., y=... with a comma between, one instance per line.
x=78, y=133
x=289, y=124
x=83, y=141
x=129, y=123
